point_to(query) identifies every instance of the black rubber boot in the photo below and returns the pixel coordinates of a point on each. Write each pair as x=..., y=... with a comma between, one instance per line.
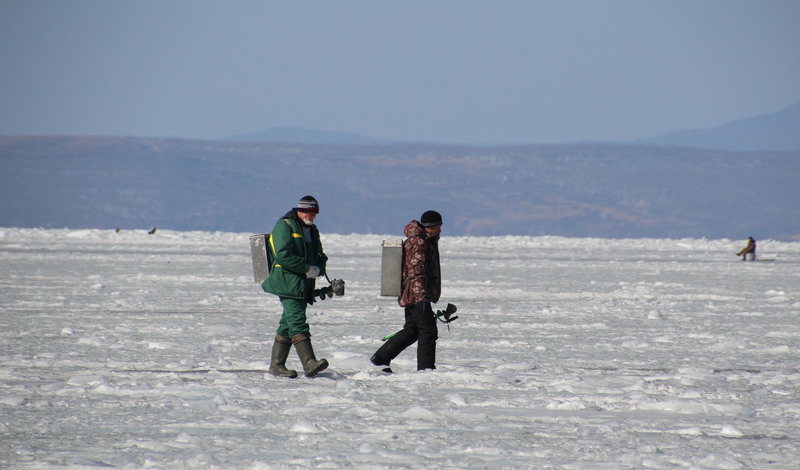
x=280, y=351
x=311, y=366
x=376, y=360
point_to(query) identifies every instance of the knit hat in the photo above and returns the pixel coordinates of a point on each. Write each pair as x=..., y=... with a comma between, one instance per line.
x=431, y=219
x=308, y=204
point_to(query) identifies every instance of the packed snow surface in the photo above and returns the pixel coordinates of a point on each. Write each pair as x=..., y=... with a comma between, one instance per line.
x=133, y=350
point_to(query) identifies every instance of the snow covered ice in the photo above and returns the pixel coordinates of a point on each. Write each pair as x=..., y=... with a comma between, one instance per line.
x=132, y=350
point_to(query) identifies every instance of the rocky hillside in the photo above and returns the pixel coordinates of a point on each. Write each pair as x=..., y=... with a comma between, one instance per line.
x=590, y=190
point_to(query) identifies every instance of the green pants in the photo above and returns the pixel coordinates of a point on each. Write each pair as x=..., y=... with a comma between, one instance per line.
x=293, y=320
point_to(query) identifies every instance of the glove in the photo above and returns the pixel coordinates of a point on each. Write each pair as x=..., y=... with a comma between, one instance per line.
x=312, y=272
x=325, y=292
x=446, y=313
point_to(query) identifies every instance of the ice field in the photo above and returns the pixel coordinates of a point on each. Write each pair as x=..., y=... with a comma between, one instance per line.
x=131, y=350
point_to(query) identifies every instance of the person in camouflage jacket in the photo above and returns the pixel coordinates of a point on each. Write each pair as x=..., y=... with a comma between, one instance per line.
x=297, y=260
x=422, y=285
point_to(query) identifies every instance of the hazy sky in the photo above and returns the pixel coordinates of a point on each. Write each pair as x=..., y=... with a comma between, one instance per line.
x=454, y=71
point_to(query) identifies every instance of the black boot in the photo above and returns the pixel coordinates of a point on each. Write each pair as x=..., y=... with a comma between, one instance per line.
x=311, y=366
x=378, y=361
x=393, y=347
x=280, y=351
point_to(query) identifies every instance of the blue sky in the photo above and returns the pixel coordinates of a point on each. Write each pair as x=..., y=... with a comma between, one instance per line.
x=456, y=71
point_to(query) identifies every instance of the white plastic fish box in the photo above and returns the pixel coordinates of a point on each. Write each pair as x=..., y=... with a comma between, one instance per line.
x=262, y=258
x=391, y=268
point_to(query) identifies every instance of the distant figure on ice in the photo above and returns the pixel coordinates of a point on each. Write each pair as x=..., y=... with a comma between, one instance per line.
x=750, y=248
x=298, y=260
x=422, y=285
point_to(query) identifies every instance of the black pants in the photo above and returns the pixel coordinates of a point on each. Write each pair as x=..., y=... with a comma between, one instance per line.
x=420, y=326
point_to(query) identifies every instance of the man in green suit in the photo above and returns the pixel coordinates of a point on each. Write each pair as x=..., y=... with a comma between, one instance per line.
x=297, y=260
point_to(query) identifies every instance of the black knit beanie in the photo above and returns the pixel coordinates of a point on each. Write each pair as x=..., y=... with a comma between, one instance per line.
x=431, y=219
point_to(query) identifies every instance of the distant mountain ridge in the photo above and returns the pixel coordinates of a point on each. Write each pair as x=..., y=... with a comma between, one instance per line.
x=776, y=131
x=779, y=131
x=305, y=136
x=597, y=190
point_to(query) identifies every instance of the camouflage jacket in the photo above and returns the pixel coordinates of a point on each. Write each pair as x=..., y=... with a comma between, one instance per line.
x=422, y=276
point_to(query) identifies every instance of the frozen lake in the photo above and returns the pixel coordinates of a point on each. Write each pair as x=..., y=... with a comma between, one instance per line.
x=132, y=350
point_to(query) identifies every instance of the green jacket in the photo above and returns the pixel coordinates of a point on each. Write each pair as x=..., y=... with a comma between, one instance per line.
x=291, y=259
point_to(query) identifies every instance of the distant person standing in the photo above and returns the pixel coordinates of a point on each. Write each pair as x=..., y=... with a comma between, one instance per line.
x=750, y=248
x=422, y=285
x=298, y=260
